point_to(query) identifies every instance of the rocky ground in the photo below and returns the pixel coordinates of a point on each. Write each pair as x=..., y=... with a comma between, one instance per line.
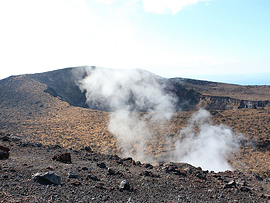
x=81, y=175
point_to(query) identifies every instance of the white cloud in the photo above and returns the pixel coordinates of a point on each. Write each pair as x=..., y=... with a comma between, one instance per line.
x=38, y=36
x=106, y=1
x=163, y=6
x=41, y=35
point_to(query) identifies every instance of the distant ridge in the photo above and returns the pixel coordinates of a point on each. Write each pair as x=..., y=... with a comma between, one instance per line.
x=191, y=94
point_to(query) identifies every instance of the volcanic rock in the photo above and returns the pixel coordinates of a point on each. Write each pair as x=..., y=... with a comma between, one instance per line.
x=84, y=168
x=73, y=184
x=245, y=189
x=111, y=171
x=92, y=177
x=101, y=165
x=76, y=182
x=47, y=178
x=124, y=185
x=4, y=152
x=88, y=149
x=72, y=175
x=63, y=157
x=231, y=184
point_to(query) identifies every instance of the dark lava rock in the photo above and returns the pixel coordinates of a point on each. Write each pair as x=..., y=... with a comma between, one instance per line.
x=129, y=160
x=47, y=178
x=101, y=165
x=166, y=182
x=88, y=149
x=230, y=184
x=72, y=175
x=5, y=138
x=100, y=185
x=76, y=183
x=245, y=189
x=146, y=173
x=147, y=165
x=63, y=157
x=111, y=171
x=124, y=185
x=92, y=177
x=4, y=152
x=84, y=168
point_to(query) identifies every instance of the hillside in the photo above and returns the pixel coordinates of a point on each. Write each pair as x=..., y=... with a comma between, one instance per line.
x=242, y=92
x=191, y=94
x=50, y=108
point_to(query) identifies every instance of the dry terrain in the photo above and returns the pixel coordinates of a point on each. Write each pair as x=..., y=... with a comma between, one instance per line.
x=29, y=112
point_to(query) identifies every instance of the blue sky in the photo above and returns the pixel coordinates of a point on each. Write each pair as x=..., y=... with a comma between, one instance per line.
x=217, y=40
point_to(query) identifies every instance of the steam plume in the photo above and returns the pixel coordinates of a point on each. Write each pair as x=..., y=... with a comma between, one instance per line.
x=137, y=97
x=205, y=145
x=126, y=93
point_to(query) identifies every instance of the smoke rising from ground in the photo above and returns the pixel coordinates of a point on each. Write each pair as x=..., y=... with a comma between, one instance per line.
x=205, y=145
x=126, y=93
x=136, y=98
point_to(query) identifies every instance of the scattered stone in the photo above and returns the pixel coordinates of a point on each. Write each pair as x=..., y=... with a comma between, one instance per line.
x=147, y=165
x=111, y=171
x=56, y=146
x=76, y=183
x=245, y=189
x=242, y=182
x=4, y=149
x=15, y=139
x=47, y=178
x=146, y=173
x=5, y=138
x=129, y=160
x=130, y=200
x=265, y=196
x=92, y=177
x=120, y=161
x=105, y=198
x=202, y=175
x=5, y=176
x=100, y=185
x=101, y=165
x=3, y=155
x=138, y=163
x=4, y=152
x=12, y=170
x=114, y=157
x=170, y=168
x=124, y=185
x=230, y=184
x=23, y=144
x=49, y=168
x=38, y=145
x=63, y=157
x=84, y=168
x=72, y=175
x=180, y=172
x=150, y=174
x=88, y=149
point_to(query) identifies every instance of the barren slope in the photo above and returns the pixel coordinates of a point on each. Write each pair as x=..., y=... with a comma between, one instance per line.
x=28, y=110
x=246, y=92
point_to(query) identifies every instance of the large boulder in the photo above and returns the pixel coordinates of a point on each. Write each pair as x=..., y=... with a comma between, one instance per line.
x=4, y=152
x=63, y=157
x=124, y=185
x=47, y=178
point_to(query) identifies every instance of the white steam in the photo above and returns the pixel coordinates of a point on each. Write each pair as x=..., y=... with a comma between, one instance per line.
x=137, y=98
x=205, y=145
x=126, y=93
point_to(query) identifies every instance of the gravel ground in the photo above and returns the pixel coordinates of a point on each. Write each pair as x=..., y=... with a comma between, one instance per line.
x=93, y=177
